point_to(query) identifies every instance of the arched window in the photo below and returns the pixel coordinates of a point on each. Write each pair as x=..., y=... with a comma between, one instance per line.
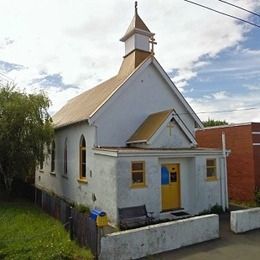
x=53, y=156
x=65, y=170
x=82, y=155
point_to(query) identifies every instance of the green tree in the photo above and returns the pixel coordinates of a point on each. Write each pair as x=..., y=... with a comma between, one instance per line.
x=212, y=122
x=25, y=128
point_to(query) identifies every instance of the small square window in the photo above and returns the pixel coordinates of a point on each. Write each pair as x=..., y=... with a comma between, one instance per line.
x=211, y=169
x=138, y=174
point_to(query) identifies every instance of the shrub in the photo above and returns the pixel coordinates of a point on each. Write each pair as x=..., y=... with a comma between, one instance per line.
x=257, y=196
x=82, y=208
x=216, y=209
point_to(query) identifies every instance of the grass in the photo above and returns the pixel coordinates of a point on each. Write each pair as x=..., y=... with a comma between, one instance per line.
x=243, y=204
x=26, y=232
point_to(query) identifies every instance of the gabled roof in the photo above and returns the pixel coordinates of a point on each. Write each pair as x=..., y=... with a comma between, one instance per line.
x=83, y=106
x=149, y=127
x=153, y=125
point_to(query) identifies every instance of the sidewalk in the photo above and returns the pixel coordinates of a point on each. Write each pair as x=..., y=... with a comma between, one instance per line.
x=229, y=246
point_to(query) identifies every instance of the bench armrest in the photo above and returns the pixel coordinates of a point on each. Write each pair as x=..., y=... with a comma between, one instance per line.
x=150, y=214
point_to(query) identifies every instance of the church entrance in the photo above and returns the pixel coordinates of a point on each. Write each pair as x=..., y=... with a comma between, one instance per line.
x=170, y=186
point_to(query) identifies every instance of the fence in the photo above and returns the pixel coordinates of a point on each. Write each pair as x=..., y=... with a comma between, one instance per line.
x=245, y=220
x=154, y=239
x=81, y=227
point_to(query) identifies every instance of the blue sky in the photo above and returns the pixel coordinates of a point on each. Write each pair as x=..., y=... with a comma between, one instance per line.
x=234, y=73
x=212, y=59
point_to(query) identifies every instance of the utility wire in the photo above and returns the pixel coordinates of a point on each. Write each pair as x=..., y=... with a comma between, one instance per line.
x=222, y=13
x=239, y=7
x=218, y=111
x=227, y=111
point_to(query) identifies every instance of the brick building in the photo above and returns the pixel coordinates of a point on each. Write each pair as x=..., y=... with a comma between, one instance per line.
x=243, y=164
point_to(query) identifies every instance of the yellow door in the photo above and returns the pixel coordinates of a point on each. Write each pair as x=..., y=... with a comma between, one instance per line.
x=170, y=186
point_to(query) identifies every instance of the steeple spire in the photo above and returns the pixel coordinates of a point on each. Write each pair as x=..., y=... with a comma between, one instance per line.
x=138, y=37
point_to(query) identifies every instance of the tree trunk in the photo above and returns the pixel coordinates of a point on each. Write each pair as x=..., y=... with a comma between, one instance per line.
x=7, y=180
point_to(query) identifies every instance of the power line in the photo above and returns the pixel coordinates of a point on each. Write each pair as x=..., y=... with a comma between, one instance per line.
x=239, y=7
x=222, y=13
x=219, y=111
x=227, y=111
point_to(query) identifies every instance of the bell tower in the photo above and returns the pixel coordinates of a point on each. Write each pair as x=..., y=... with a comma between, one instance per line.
x=138, y=37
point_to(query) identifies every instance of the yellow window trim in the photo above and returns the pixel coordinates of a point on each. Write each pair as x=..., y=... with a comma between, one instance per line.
x=141, y=184
x=82, y=180
x=138, y=186
x=214, y=178
x=211, y=178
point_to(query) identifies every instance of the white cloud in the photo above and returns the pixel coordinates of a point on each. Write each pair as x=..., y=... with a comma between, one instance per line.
x=220, y=95
x=252, y=87
x=234, y=108
x=79, y=40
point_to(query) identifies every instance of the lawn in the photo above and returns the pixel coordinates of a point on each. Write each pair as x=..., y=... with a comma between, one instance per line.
x=26, y=232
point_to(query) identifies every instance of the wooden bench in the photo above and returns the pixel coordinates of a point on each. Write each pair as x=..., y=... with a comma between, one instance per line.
x=133, y=217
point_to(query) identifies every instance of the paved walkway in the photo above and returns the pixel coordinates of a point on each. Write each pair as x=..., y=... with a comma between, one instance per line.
x=229, y=246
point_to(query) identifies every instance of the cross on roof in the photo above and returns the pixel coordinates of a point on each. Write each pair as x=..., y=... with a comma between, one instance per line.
x=170, y=126
x=153, y=42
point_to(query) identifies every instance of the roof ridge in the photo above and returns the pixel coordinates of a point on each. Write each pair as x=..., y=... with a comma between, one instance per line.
x=86, y=104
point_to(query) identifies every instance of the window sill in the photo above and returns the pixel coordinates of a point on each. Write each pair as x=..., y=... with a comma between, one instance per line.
x=138, y=186
x=64, y=176
x=212, y=179
x=53, y=173
x=84, y=181
x=41, y=171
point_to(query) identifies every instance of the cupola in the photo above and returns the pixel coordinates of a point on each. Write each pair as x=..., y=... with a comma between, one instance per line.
x=138, y=36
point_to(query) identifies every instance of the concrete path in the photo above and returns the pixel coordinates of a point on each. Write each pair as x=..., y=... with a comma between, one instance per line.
x=229, y=246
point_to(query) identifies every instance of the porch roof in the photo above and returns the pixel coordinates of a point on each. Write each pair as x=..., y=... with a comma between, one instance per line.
x=160, y=152
x=149, y=127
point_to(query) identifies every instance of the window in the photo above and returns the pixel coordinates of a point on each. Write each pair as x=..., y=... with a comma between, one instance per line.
x=211, y=169
x=53, y=157
x=65, y=170
x=41, y=161
x=41, y=165
x=138, y=174
x=82, y=154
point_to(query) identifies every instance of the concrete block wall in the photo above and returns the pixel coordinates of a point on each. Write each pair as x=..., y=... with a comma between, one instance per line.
x=245, y=220
x=141, y=242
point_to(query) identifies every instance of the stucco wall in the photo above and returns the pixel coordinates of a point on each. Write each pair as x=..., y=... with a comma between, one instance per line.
x=137, y=243
x=240, y=162
x=148, y=195
x=100, y=188
x=245, y=220
x=146, y=93
x=197, y=194
x=207, y=193
x=176, y=139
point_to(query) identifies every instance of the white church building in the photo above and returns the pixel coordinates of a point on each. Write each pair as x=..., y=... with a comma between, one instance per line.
x=130, y=141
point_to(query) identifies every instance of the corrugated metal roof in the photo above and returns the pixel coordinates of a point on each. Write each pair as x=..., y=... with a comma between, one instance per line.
x=83, y=106
x=149, y=127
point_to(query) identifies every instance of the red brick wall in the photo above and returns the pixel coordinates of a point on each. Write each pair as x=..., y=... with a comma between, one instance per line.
x=256, y=149
x=240, y=164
